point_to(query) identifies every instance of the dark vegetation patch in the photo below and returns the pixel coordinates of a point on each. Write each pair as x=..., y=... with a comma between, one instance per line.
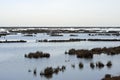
x=4, y=34
x=69, y=40
x=73, y=35
x=104, y=34
x=49, y=71
x=92, y=65
x=77, y=40
x=81, y=65
x=97, y=65
x=109, y=77
x=31, y=31
x=109, y=64
x=37, y=55
x=88, y=54
x=100, y=65
x=18, y=41
x=103, y=40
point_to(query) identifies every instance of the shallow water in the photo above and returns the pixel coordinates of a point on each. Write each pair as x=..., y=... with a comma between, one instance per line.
x=13, y=65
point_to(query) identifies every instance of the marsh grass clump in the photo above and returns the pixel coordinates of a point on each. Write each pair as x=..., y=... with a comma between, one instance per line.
x=96, y=50
x=109, y=64
x=80, y=53
x=100, y=65
x=84, y=54
x=35, y=72
x=18, y=41
x=88, y=54
x=103, y=39
x=109, y=77
x=81, y=65
x=68, y=40
x=37, y=55
x=92, y=65
x=66, y=52
x=49, y=71
x=73, y=35
x=63, y=68
x=72, y=52
x=56, y=70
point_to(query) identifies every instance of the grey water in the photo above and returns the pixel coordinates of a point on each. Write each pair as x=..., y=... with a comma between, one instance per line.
x=14, y=66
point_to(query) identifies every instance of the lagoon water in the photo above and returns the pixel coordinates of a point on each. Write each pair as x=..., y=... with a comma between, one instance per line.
x=14, y=66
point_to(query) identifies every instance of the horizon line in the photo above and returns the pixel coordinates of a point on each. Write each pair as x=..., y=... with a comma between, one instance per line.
x=59, y=26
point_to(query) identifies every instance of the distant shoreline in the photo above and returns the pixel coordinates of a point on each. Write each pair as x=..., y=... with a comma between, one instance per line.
x=54, y=27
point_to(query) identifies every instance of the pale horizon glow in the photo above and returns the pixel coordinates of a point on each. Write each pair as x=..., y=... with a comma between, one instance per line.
x=60, y=13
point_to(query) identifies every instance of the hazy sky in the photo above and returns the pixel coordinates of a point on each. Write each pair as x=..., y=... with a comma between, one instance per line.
x=59, y=12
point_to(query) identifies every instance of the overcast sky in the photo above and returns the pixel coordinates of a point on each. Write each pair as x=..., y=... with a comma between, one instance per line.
x=59, y=12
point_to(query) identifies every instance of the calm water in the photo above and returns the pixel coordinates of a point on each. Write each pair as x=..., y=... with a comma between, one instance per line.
x=13, y=65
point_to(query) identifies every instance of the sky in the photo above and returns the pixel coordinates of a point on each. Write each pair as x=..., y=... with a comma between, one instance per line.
x=59, y=12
